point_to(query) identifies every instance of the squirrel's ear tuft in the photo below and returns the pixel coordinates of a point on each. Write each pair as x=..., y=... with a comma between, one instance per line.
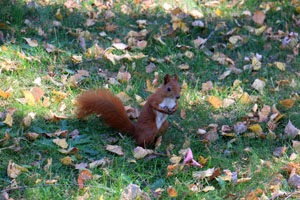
x=166, y=78
x=176, y=77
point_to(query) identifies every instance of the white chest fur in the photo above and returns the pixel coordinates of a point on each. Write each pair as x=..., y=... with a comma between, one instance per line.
x=167, y=103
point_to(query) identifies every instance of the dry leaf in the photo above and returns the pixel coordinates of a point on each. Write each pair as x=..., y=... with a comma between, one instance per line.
x=288, y=103
x=31, y=136
x=8, y=120
x=120, y=46
x=279, y=151
x=66, y=160
x=255, y=128
x=72, y=150
x=61, y=142
x=184, y=66
x=224, y=75
x=102, y=162
x=140, y=152
x=84, y=176
x=183, y=114
x=37, y=93
x=208, y=188
x=32, y=43
x=264, y=113
x=12, y=170
x=291, y=131
x=171, y=192
x=47, y=166
x=115, y=149
x=3, y=94
x=29, y=98
x=215, y=101
x=293, y=156
x=150, y=68
x=207, y=86
x=280, y=66
x=259, y=17
x=258, y=85
x=141, y=44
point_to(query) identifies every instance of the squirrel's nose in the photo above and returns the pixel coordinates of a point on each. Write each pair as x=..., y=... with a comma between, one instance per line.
x=177, y=96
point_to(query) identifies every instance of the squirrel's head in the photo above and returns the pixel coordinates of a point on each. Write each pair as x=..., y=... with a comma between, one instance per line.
x=171, y=87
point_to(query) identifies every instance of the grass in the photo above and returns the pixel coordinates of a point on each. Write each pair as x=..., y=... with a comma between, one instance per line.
x=56, y=68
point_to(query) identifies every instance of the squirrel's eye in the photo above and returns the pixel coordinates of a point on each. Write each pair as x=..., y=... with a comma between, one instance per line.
x=169, y=89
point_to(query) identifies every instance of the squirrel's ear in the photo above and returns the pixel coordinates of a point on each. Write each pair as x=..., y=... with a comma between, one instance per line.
x=176, y=77
x=166, y=78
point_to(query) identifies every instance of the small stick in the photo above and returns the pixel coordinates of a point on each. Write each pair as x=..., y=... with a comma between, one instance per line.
x=209, y=36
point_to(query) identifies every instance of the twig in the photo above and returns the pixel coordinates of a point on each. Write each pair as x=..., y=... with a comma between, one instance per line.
x=291, y=194
x=49, y=185
x=209, y=36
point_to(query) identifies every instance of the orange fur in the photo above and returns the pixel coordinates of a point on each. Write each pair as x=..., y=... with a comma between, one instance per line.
x=111, y=109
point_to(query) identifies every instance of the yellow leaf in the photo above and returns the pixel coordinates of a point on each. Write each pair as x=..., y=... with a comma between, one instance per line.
x=29, y=98
x=66, y=160
x=172, y=192
x=218, y=12
x=61, y=142
x=255, y=128
x=215, y=101
x=4, y=94
x=288, y=103
x=260, y=30
x=245, y=98
x=280, y=66
x=4, y=48
x=8, y=120
x=202, y=160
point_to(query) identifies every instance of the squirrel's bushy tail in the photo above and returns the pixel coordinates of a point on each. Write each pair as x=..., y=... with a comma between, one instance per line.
x=107, y=105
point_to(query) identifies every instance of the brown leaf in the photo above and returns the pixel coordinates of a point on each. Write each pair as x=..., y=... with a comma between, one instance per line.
x=49, y=163
x=288, y=103
x=84, y=176
x=264, y=113
x=208, y=188
x=259, y=17
x=31, y=136
x=12, y=170
x=66, y=160
x=207, y=86
x=171, y=192
x=183, y=114
x=72, y=150
x=140, y=152
x=115, y=149
x=215, y=101
x=37, y=93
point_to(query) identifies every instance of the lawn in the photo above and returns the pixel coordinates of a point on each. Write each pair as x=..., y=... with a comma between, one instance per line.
x=238, y=65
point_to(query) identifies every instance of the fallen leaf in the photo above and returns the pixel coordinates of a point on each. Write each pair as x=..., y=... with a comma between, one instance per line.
x=264, y=113
x=8, y=120
x=132, y=192
x=123, y=77
x=3, y=94
x=150, y=68
x=141, y=44
x=215, y=101
x=224, y=75
x=280, y=66
x=207, y=86
x=12, y=170
x=294, y=180
x=243, y=180
x=83, y=176
x=259, y=17
x=203, y=174
x=256, y=64
x=255, y=128
x=120, y=46
x=288, y=103
x=37, y=93
x=66, y=160
x=61, y=142
x=291, y=131
x=102, y=162
x=51, y=181
x=184, y=66
x=188, y=159
x=31, y=136
x=49, y=163
x=32, y=43
x=115, y=149
x=293, y=156
x=279, y=151
x=171, y=192
x=218, y=12
x=90, y=22
x=183, y=114
x=258, y=85
x=29, y=98
x=260, y=30
x=208, y=188
x=140, y=152
x=72, y=150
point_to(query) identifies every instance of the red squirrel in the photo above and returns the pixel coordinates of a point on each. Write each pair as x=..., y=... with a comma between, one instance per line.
x=152, y=119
